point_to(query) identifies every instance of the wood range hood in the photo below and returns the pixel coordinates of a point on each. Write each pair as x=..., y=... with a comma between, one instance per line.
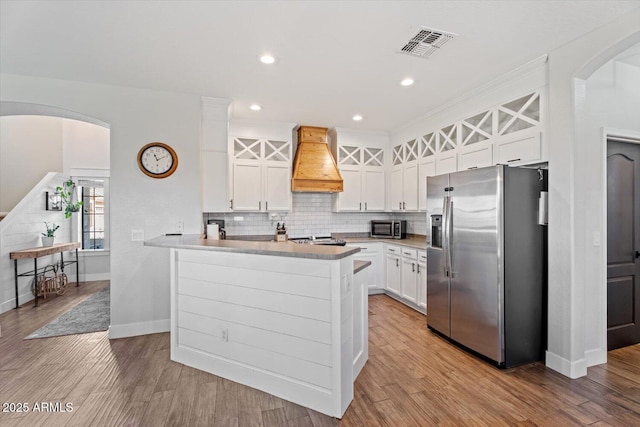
x=314, y=168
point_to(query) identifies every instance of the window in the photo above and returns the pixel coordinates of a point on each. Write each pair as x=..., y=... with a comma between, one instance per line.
x=93, y=221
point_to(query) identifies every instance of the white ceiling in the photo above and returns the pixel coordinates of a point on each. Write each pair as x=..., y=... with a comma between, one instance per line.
x=335, y=58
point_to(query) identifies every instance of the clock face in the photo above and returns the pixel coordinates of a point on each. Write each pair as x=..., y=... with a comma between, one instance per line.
x=157, y=160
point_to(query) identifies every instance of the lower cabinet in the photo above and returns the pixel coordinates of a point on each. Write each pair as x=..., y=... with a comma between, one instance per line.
x=394, y=271
x=409, y=281
x=407, y=276
x=422, y=280
x=374, y=278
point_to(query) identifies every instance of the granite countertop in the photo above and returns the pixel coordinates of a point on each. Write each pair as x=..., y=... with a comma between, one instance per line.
x=414, y=241
x=284, y=249
x=359, y=265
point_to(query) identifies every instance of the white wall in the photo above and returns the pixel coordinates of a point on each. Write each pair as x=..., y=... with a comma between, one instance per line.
x=85, y=146
x=572, y=272
x=139, y=275
x=30, y=146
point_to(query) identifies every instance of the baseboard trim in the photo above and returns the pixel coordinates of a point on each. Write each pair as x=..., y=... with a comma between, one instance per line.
x=596, y=356
x=566, y=367
x=95, y=277
x=139, y=328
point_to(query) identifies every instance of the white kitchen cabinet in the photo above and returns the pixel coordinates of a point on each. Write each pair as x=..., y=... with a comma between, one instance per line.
x=422, y=280
x=277, y=187
x=363, y=176
x=374, y=273
x=393, y=269
x=261, y=175
x=247, y=191
x=521, y=148
x=475, y=156
x=426, y=168
x=409, y=288
x=446, y=163
x=404, y=176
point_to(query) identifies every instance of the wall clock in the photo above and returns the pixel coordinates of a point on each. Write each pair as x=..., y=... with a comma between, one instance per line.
x=157, y=160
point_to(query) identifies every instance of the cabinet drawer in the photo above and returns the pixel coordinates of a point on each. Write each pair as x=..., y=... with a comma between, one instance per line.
x=394, y=250
x=409, y=253
x=422, y=256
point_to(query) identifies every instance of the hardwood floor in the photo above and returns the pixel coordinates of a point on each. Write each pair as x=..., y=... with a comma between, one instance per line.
x=412, y=378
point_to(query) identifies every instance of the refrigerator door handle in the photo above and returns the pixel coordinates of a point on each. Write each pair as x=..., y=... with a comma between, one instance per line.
x=445, y=229
x=450, y=237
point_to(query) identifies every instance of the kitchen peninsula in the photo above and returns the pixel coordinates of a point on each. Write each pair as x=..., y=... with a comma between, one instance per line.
x=274, y=316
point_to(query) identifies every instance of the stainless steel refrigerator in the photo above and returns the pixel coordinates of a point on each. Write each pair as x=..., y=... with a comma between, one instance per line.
x=486, y=262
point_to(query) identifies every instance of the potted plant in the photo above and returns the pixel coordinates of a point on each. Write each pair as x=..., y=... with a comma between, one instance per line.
x=68, y=194
x=48, y=237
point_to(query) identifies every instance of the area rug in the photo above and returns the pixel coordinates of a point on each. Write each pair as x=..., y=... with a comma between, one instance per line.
x=91, y=315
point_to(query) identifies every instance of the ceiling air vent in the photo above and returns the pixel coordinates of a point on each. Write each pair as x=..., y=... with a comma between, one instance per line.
x=426, y=42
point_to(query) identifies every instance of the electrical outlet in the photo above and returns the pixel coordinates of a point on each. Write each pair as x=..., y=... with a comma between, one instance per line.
x=180, y=226
x=137, y=235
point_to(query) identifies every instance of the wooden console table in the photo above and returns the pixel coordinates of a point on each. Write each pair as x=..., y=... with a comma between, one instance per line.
x=35, y=253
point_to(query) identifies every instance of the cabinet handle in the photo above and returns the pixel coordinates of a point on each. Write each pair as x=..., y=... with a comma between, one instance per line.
x=259, y=205
x=404, y=205
x=413, y=267
x=360, y=206
x=513, y=160
x=397, y=263
x=365, y=206
x=266, y=205
x=231, y=204
x=472, y=167
x=418, y=268
x=400, y=205
x=391, y=250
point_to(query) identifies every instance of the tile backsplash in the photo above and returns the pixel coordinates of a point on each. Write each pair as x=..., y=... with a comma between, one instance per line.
x=311, y=214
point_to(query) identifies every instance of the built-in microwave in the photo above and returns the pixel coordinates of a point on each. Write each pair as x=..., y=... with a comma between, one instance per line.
x=389, y=229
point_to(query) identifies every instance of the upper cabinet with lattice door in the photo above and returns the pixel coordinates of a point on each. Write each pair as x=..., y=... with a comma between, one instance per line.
x=261, y=175
x=518, y=131
x=362, y=163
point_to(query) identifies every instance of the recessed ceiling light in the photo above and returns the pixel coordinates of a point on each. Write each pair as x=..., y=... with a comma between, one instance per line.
x=406, y=82
x=255, y=107
x=267, y=59
x=357, y=117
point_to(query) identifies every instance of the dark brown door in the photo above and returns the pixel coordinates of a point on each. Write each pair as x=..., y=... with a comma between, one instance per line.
x=623, y=244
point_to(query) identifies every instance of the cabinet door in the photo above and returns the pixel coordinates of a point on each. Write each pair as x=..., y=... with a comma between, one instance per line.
x=409, y=280
x=350, y=199
x=425, y=168
x=373, y=190
x=247, y=186
x=396, y=189
x=370, y=252
x=475, y=156
x=215, y=178
x=277, y=188
x=410, y=186
x=446, y=163
x=518, y=149
x=393, y=270
x=422, y=280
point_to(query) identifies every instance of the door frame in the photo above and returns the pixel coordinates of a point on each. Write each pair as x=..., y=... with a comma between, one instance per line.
x=620, y=135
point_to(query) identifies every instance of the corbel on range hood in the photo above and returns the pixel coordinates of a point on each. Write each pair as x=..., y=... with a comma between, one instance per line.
x=314, y=168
